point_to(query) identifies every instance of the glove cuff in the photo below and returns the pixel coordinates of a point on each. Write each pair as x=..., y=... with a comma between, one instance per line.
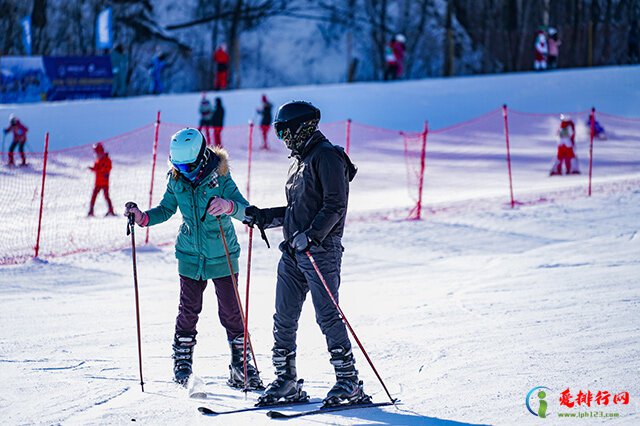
x=145, y=220
x=232, y=207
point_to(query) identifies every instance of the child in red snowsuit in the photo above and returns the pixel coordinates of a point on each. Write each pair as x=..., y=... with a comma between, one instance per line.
x=102, y=169
x=19, y=131
x=566, y=148
x=221, y=58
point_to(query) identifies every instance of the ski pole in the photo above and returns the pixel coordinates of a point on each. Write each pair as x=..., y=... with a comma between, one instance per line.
x=246, y=307
x=344, y=319
x=131, y=231
x=235, y=289
x=3, y=136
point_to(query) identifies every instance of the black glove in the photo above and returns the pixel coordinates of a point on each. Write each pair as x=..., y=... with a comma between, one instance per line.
x=254, y=216
x=300, y=242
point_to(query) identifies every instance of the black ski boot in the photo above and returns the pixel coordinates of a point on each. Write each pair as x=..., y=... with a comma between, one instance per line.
x=285, y=386
x=183, y=344
x=348, y=387
x=236, y=368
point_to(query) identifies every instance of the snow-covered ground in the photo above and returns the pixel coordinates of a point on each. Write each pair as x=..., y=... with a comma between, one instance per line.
x=402, y=105
x=462, y=312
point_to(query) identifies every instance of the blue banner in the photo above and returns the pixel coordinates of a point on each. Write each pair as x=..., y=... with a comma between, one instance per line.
x=25, y=23
x=78, y=77
x=23, y=79
x=104, y=34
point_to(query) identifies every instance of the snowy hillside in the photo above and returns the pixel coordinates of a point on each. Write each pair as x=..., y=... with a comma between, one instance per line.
x=399, y=105
x=463, y=312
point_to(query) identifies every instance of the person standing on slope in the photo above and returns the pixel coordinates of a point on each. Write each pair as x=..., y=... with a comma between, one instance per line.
x=217, y=121
x=206, y=117
x=201, y=187
x=566, y=148
x=540, y=51
x=221, y=59
x=265, y=121
x=317, y=191
x=102, y=168
x=19, y=131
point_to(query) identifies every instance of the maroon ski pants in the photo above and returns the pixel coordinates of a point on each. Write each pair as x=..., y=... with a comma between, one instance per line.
x=191, y=305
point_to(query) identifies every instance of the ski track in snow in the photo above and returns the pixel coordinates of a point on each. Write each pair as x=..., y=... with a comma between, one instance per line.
x=462, y=312
x=456, y=310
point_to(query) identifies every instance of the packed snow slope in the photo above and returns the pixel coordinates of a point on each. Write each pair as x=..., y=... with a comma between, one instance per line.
x=463, y=312
x=402, y=105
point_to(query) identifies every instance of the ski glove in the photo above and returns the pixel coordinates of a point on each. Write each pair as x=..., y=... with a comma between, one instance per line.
x=220, y=206
x=141, y=218
x=254, y=216
x=300, y=242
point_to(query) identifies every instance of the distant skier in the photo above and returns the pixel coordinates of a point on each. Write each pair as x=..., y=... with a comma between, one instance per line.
x=218, y=122
x=201, y=187
x=598, y=130
x=317, y=191
x=158, y=64
x=102, y=169
x=394, y=58
x=206, y=118
x=119, y=68
x=19, y=131
x=541, y=50
x=554, y=48
x=265, y=121
x=566, y=148
x=221, y=59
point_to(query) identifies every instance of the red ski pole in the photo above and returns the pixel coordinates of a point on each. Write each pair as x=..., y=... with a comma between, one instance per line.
x=235, y=288
x=344, y=319
x=246, y=307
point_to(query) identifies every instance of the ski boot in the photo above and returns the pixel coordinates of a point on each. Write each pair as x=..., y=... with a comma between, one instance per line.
x=347, y=388
x=183, y=344
x=236, y=368
x=285, y=386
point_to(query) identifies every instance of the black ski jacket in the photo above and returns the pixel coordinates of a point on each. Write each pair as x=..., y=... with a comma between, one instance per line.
x=317, y=191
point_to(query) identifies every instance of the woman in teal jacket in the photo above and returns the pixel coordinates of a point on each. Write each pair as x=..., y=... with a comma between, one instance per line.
x=200, y=186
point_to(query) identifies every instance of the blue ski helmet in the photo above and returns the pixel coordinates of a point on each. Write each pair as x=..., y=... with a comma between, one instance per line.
x=187, y=152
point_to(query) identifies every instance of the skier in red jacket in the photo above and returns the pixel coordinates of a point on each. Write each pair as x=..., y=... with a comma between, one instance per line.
x=566, y=148
x=221, y=58
x=19, y=131
x=102, y=169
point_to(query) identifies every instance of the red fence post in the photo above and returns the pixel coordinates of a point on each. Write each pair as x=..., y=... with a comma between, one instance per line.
x=348, y=143
x=592, y=123
x=44, y=175
x=423, y=154
x=506, y=137
x=249, y=154
x=153, y=168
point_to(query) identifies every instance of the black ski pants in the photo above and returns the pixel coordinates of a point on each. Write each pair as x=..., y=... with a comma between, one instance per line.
x=296, y=277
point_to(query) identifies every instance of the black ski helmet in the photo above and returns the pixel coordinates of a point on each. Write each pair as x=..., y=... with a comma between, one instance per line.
x=294, y=123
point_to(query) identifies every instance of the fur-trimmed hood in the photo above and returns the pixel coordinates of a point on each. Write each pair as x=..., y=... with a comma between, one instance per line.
x=223, y=156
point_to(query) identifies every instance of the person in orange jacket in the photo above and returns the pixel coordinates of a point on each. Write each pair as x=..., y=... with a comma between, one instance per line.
x=221, y=58
x=102, y=169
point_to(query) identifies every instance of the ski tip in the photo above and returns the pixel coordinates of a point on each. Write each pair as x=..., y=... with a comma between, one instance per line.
x=276, y=415
x=207, y=411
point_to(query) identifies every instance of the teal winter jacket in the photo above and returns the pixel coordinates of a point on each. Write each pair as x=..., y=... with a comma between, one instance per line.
x=199, y=247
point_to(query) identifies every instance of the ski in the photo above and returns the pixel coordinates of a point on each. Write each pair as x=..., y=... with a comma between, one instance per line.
x=329, y=409
x=209, y=412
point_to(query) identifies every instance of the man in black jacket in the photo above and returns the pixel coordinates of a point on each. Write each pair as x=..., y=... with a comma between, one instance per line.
x=317, y=191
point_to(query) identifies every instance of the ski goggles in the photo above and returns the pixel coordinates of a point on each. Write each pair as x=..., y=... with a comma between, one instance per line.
x=186, y=168
x=280, y=129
